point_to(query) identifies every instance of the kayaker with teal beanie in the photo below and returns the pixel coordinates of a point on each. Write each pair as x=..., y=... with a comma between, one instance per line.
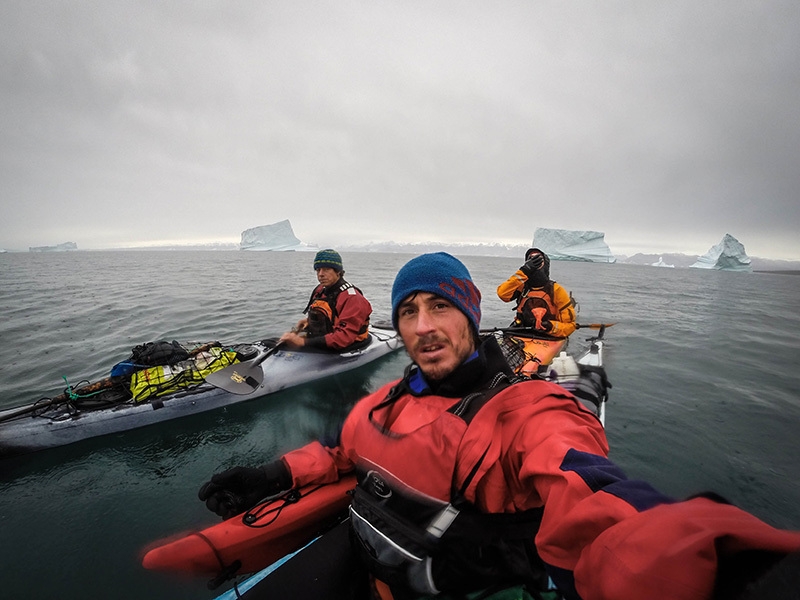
x=475, y=483
x=337, y=312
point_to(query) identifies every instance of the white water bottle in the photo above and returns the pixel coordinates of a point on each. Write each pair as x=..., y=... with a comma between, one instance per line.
x=564, y=368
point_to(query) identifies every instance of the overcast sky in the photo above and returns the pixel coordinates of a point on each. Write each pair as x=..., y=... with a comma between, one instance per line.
x=663, y=124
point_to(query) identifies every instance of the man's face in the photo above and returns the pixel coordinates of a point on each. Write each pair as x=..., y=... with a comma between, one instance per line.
x=327, y=276
x=436, y=334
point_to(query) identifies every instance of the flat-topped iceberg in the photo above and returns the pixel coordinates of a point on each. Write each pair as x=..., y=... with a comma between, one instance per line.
x=565, y=244
x=277, y=237
x=65, y=247
x=728, y=255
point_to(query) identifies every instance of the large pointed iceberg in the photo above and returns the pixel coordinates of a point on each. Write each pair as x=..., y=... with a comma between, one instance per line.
x=728, y=255
x=565, y=244
x=277, y=236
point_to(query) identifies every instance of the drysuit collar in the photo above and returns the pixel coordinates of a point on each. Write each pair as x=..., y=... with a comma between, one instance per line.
x=475, y=373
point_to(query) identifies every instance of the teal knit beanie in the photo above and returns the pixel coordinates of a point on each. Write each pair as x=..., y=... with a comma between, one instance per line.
x=441, y=274
x=328, y=258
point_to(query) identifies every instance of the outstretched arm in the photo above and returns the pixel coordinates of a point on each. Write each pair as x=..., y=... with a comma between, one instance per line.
x=604, y=536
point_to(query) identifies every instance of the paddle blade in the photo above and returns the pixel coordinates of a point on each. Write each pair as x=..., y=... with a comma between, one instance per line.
x=240, y=378
x=596, y=326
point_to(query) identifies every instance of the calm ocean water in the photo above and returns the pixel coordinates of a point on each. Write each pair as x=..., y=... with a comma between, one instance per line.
x=705, y=368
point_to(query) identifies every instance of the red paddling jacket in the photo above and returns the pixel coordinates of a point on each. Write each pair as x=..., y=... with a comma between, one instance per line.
x=481, y=444
x=338, y=316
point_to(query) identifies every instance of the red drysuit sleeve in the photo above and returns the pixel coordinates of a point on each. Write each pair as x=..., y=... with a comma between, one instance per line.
x=615, y=538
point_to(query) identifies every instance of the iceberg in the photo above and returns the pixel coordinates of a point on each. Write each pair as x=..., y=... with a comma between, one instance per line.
x=66, y=246
x=565, y=244
x=276, y=237
x=660, y=263
x=728, y=255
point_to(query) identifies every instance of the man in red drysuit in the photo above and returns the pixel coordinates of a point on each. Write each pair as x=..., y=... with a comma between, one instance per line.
x=470, y=479
x=337, y=314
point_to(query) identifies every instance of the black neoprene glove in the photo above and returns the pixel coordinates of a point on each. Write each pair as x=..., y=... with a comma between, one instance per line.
x=533, y=264
x=235, y=490
x=758, y=574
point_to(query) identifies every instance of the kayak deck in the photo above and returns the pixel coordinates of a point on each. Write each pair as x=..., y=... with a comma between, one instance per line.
x=258, y=537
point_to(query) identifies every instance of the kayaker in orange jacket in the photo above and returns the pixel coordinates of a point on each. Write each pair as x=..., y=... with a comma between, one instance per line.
x=541, y=304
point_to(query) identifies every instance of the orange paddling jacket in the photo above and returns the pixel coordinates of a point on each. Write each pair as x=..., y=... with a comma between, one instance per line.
x=551, y=302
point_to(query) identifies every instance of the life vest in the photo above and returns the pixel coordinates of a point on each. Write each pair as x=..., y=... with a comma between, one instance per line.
x=427, y=537
x=536, y=305
x=322, y=314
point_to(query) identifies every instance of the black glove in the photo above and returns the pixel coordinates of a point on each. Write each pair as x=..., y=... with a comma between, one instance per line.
x=547, y=325
x=592, y=385
x=757, y=574
x=237, y=489
x=533, y=264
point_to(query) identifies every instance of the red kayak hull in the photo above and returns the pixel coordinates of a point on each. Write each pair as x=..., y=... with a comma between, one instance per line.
x=281, y=527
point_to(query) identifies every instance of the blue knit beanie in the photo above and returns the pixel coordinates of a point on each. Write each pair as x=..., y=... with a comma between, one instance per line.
x=328, y=258
x=441, y=274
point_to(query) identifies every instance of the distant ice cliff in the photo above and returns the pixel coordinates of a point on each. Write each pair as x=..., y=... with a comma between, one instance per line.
x=60, y=248
x=565, y=244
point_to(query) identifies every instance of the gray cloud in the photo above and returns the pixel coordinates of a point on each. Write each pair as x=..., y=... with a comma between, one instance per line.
x=665, y=126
